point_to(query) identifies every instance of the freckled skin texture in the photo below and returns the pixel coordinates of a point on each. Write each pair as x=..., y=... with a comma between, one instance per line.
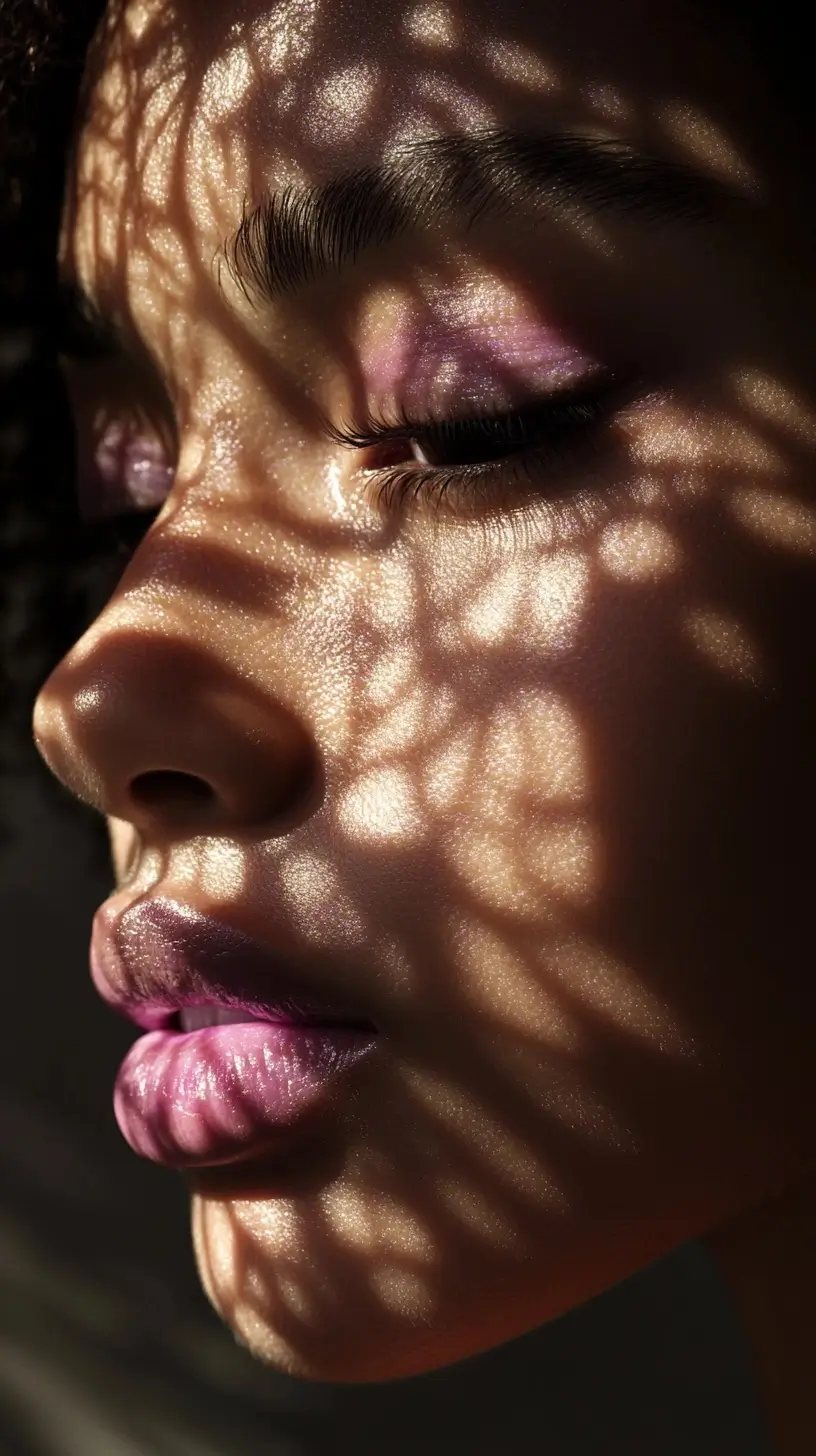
x=535, y=787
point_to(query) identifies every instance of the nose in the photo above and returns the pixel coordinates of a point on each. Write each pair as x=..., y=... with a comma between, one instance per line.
x=162, y=732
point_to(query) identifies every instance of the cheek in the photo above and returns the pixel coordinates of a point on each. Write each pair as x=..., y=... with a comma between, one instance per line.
x=553, y=844
x=457, y=732
x=439, y=713
x=515, y=803
x=568, y=751
x=467, y=752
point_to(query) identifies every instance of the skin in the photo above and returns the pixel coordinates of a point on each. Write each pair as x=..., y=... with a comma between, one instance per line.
x=531, y=787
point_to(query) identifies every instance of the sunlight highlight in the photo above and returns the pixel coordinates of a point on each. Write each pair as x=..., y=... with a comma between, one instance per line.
x=470, y=1206
x=514, y=1163
x=461, y=107
x=559, y=599
x=529, y=879
x=510, y=990
x=638, y=551
x=607, y=987
x=778, y=520
x=726, y=644
x=448, y=771
x=340, y=105
x=283, y=38
x=227, y=84
x=391, y=674
x=769, y=399
x=533, y=755
x=216, y=866
x=706, y=144
x=375, y=1223
x=690, y=441
x=403, y=1291
x=381, y=806
x=431, y=25
x=323, y=909
x=521, y=65
x=398, y=731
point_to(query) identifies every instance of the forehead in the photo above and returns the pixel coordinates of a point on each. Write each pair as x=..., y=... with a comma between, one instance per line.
x=493, y=47
x=192, y=109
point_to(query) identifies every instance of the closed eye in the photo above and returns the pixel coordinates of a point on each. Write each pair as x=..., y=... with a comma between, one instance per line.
x=467, y=463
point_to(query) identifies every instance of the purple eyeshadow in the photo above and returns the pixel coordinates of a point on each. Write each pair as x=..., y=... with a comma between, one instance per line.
x=441, y=364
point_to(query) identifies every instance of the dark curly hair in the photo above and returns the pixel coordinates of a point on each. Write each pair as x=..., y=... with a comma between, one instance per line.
x=46, y=558
x=54, y=570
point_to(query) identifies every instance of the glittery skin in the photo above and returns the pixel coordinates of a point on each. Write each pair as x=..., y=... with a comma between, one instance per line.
x=532, y=786
x=501, y=363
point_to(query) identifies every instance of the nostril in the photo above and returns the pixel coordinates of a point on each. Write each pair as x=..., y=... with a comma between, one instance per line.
x=163, y=789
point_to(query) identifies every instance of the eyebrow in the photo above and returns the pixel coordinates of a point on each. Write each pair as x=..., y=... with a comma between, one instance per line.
x=293, y=236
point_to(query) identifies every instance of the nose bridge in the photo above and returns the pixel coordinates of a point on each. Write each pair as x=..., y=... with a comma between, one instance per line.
x=154, y=718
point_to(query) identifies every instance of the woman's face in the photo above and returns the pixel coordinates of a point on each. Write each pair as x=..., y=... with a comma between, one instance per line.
x=466, y=664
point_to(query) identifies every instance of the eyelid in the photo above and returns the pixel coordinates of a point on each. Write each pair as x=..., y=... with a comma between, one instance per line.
x=377, y=428
x=537, y=479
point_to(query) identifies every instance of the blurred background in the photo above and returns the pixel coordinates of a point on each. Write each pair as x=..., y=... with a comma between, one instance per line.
x=108, y=1347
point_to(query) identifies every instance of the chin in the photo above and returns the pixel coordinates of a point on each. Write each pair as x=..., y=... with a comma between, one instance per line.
x=326, y=1313
x=344, y=1346
x=338, y=1283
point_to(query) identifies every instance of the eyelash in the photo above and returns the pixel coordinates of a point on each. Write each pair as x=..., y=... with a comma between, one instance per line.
x=552, y=433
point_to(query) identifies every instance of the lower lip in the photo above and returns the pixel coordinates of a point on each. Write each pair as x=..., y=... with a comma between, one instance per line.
x=218, y=1095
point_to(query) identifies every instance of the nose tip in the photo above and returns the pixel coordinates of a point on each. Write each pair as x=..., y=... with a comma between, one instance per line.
x=161, y=735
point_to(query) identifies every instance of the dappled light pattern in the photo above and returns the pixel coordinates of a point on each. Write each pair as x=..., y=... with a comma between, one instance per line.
x=638, y=550
x=725, y=642
x=525, y=770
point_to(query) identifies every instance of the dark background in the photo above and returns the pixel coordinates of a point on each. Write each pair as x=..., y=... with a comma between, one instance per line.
x=108, y=1347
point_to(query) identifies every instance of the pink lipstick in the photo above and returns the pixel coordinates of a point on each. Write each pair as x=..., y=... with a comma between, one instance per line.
x=236, y=1054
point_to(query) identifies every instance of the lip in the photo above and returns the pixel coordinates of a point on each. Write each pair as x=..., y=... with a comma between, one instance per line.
x=221, y=1093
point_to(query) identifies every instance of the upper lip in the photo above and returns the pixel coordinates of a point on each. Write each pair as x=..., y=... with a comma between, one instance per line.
x=158, y=955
